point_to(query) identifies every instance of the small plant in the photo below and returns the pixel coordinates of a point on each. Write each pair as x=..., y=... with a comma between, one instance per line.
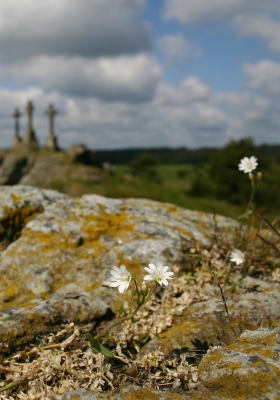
x=248, y=248
x=245, y=251
x=248, y=165
x=237, y=256
x=121, y=278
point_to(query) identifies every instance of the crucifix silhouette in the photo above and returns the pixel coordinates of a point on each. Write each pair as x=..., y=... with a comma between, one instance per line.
x=29, y=136
x=51, y=140
x=16, y=115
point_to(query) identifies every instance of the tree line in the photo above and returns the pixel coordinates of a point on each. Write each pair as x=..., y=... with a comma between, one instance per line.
x=181, y=155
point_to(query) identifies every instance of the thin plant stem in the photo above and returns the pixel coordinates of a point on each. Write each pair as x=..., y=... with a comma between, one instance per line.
x=140, y=304
x=224, y=303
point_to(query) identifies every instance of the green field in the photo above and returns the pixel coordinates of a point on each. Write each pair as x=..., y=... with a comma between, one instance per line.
x=172, y=185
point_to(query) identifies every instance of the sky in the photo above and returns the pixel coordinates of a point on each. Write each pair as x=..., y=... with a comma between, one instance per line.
x=142, y=73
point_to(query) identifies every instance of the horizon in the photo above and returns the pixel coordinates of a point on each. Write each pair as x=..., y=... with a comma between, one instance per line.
x=41, y=147
x=137, y=73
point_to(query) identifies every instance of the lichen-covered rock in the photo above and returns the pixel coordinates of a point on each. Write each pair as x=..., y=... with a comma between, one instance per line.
x=58, y=245
x=57, y=251
x=18, y=206
x=247, y=369
x=205, y=324
x=130, y=392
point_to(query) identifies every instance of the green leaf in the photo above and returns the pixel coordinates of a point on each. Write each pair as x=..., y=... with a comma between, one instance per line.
x=121, y=309
x=178, y=313
x=147, y=297
x=98, y=347
x=246, y=215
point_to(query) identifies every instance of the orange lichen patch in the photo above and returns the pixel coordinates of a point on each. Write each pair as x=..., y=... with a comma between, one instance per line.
x=52, y=241
x=199, y=222
x=116, y=225
x=183, y=231
x=252, y=383
x=228, y=378
x=170, y=207
x=189, y=325
x=16, y=198
x=20, y=300
x=261, y=345
x=10, y=292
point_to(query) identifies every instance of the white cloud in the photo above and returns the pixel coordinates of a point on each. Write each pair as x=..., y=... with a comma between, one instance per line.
x=173, y=117
x=249, y=17
x=176, y=50
x=264, y=76
x=196, y=11
x=189, y=115
x=205, y=117
x=250, y=114
x=90, y=28
x=260, y=25
x=93, y=60
x=190, y=90
x=123, y=78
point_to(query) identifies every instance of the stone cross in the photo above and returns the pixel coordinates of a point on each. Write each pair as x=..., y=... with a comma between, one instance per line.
x=29, y=109
x=51, y=112
x=30, y=137
x=51, y=140
x=16, y=115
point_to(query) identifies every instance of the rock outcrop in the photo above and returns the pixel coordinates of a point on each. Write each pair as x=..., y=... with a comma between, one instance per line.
x=49, y=169
x=249, y=368
x=57, y=251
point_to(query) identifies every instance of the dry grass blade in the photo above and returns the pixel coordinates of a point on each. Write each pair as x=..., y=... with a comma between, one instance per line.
x=224, y=303
x=263, y=219
x=25, y=379
x=268, y=243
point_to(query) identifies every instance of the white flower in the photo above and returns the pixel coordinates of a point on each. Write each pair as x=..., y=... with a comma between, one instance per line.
x=120, y=277
x=158, y=274
x=248, y=164
x=237, y=256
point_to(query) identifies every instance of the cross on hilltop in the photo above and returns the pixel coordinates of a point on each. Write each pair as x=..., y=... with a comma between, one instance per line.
x=29, y=139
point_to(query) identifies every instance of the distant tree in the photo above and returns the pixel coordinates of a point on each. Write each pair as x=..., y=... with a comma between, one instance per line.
x=222, y=178
x=231, y=184
x=202, y=185
x=182, y=173
x=143, y=166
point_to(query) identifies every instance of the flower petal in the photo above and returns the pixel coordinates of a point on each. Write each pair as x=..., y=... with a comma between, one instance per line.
x=116, y=275
x=123, y=287
x=116, y=283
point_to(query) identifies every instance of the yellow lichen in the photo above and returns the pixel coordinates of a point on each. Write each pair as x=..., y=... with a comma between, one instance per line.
x=10, y=292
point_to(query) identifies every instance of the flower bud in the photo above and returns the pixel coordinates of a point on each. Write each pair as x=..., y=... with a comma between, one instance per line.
x=259, y=176
x=251, y=269
x=251, y=176
x=144, y=290
x=133, y=291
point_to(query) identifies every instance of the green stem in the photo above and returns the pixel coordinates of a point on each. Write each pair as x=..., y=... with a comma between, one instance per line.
x=251, y=203
x=253, y=192
x=140, y=303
